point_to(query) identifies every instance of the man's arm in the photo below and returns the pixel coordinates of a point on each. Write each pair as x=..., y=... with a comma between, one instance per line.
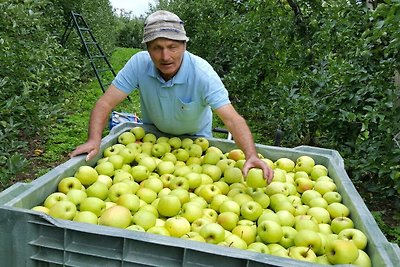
x=98, y=119
x=237, y=126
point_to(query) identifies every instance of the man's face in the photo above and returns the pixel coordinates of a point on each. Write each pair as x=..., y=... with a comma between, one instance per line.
x=167, y=55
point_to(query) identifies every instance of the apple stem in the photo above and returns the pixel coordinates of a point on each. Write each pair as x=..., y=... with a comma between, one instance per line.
x=309, y=247
x=231, y=244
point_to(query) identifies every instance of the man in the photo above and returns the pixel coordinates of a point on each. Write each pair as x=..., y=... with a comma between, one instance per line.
x=178, y=92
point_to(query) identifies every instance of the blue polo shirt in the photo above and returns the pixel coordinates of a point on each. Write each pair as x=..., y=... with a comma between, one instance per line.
x=180, y=106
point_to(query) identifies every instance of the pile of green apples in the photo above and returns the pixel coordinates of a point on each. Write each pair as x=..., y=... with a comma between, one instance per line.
x=186, y=188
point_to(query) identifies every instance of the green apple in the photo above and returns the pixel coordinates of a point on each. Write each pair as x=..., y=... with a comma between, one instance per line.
x=304, y=163
x=76, y=196
x=340, y=223
x=117, y=190
x=363, y=259
x=138, y=131
x=261, y=198
x=354, y=235
x=212, y=170
x=320, y=214
x=308, y=195
x=194, y=180
x=107, y=180
x=337, y=209
x=63, y=209
x=199, y=200
x=85, y=217
x=195, y=236
x=195, y=150
x=126, y=138
x=331, y=197
x=318, y=202
x=158, y=230
x=144, y=218
x=87, y=175
x=93, y=204
x=140, y=173
x=149, y=138
x=154, y=184
x=97, y=189
x=135, y=227
x=302, y=253
x=179, y=182
x=306, y=222
x=234, y=241
x=132, y=185
x=224, y=187
x=135, y=147
x=285, y=164
x=105, y=168
x=165, y=167
x=233, y=175
x=242, y=198
x=116, y=216
x=169, y=205
x=269, y=231
x=246, y=232
x=304, y=184
x=217, y=201
x=324, y=186
x=309, y=239
x=324, y=228
x=117, y=161
x=146, y=148
x=279, y=175
x=224, y=163
x=210, y=214
x=54, y=198
x=342, y=252
x=229, y=205
x=258, y=247
x=158, y=150
x=149, y=162
x=208, y=192
x=286, y=218
x=166, y=179
x=177, y=226
x=318, y=171
x=175, y=142
x=68, y=183
x=181, y=154
x=112, y=150
x=129, y=201
x=251, y=210
x=121, y=176
x=191, y=211
x=198, y=224
x=169, y=157
x=211, y=157
x=186, y=142
x=269, y=216
x=276, y=188
x=255, y=178
x=236, y=154
x=287, y=240
x=128, y=155
x=213, y=233
x=146, y=194
x=277, y=250
x=228, y=220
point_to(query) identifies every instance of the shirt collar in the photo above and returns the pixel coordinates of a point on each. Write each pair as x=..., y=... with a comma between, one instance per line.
x=179, y=78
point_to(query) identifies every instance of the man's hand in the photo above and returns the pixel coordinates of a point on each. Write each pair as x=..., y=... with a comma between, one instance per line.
x=90, y=147
x=256, y=162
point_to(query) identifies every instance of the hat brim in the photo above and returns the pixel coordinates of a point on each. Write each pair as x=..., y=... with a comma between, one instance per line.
x=168, y=35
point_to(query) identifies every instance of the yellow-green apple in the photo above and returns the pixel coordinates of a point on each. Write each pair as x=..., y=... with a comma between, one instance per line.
x=354, y=235
x=342, y=252
x=277, y=250
x=211, y=157
x=324, y=228
x=213, y=171
x=285, y=164
x=306, y=222
x=175, y=142
x=213, y=233
x=135, y=147
x=295, y=200
x=223, y=186
x=258, y=247
x=251, y=210
x=210, y=214
x=93, y=204
x=318, y=171
x=199, y=223
x=169, y=205
x=85, y=217
x=337, y=209
x=261, y=198
x=128, y=155
x=116, y=216
x=97, y=189
x=200, y=201
x=304, y=163
x=287, y=240
x=140, y=173
x=117, y=190
x=324, y=186
x=194, y=180
x=169, y=157
x=120, y=176
x=68, y=183
x=158, y=230
x=195, y=150
x=177, y=226
x=166, y=179
x=112, y=150
x=240, y=163
x=133, y=186
x=41, y=208
x=54, y=198
x=363, y=259
x=286, y=218
x=186, y=142
x=144, y=218
x=217, y=201
x=126, y=138
x=224, y=163
x=179, y=182
x=318, y=202
x=320, y=214
x=242, y=198
x=138, y=131
x=309, y=239
x=233, y=175
x=323, y=260
x=195, y=236
x=146, y=194
x=304, y=184
x=148, y=162
x=154, y=184
x=234, y=241
x=276, y=188
x=276, y=199
x=107, y=180
x=64, y=209
x=246, y=232
x=228, y=220
x=229, y=205
x=302, y=253
x=340, y=223
x=300, y=174
x=181, y=154
x=269, y=231
x=129, y=201
x=308, y=195
x=208, y=191
x=191, y=211
x=150, y=138
x=255, y=178
x=158, y=150
x=269, y=216
x=331, y=197
x=236, y=154
x=279, y=175
x=87, y=175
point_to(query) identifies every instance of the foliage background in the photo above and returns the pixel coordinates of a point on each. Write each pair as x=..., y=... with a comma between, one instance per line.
x=321, y=71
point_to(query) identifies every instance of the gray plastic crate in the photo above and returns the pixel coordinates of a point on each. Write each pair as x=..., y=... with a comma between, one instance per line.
x=30, y=238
